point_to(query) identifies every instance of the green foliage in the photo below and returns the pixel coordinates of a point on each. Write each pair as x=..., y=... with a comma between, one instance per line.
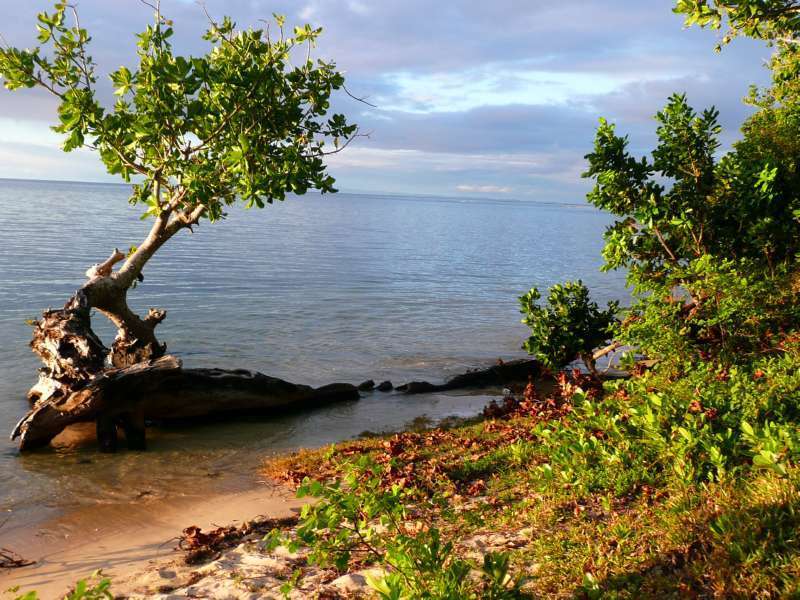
x=710, y=243
x=356, y=516
x=761, y=19
x=94, y=588
x=247, y=120
x=742, y=206
x=570, y=326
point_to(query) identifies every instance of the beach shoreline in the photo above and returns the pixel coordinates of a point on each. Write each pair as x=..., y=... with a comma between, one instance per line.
x=123, y=540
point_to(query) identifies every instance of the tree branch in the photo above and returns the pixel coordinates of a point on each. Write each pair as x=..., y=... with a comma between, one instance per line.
x=664, y=244
x=185, y=218
x=362, y=100
x=155, y=239
x=104, y=268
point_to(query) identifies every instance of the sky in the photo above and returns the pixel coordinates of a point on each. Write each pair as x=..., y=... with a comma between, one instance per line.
x=472, y=98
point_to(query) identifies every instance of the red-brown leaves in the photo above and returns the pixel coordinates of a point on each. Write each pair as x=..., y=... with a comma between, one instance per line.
x=201, y=546
x=477, y=488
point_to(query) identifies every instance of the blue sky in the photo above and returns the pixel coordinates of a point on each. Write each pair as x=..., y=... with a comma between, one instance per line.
x=472, y=98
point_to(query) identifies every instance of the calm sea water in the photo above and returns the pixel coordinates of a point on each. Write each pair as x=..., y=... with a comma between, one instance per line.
x=313, y=290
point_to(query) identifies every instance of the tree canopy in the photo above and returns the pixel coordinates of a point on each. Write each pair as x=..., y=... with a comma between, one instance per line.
x=249, y=119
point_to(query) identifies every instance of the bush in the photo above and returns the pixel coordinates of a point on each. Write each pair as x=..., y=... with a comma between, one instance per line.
x=569, y=327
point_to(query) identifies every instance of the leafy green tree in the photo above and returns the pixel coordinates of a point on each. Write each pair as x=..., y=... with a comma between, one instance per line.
x=710, y=242
x=246, y=122
x=683, y=203
x=568, y=327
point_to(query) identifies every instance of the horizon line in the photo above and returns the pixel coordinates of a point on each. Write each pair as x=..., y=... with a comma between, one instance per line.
x=315, y=191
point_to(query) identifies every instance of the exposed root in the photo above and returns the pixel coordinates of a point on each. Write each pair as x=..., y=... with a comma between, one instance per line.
x=68, y=347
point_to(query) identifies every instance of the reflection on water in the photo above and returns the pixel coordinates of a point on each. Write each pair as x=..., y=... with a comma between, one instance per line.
x=314, y=290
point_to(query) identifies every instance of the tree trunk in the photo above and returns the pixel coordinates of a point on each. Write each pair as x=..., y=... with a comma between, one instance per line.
x=162, y=390
x=75, y=359
x=72, y=353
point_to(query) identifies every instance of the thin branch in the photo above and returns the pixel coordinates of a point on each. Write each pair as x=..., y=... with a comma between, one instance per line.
x=84, y=67
x=204, y=8
x=348, y=141
x=664, y=244
x=156, y=7
x=226, y=119
x=136, y=167
x=362, y=100
x=49, y=88
x=598, y=354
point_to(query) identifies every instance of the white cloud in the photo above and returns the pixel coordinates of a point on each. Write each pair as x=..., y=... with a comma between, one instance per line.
x=497, y=85
x=358, y=7
x=484, y=96
x=484, y=189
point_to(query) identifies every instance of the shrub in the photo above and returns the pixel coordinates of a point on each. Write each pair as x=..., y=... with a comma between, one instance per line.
x=569, y=327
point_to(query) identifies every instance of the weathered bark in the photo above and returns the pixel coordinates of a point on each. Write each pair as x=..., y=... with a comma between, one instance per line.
x=78, y=368
x=71, y=351
x=161, y=390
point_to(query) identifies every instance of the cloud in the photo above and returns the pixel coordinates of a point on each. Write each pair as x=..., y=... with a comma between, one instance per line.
x=484, y=189
x=485, y=95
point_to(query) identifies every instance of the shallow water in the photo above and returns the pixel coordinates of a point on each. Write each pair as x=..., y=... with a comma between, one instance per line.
x=313, y=290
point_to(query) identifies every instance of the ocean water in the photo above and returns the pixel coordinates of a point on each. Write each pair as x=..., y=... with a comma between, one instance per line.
x=314, y=290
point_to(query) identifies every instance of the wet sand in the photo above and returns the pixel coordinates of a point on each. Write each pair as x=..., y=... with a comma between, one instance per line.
x=123, y=539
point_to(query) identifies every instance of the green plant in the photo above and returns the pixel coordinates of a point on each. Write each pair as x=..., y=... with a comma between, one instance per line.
x=569, y=327
x=95, y=587
x=710, y=241
x=357, y=518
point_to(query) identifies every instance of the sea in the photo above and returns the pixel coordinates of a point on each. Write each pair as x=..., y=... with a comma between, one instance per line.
x=316, y=289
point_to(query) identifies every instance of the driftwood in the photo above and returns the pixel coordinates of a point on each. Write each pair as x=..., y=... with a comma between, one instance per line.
x=503, y=373
x=161, y=390
x=11, y=560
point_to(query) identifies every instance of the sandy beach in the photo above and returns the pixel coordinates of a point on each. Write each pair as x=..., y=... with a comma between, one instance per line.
x=124, y=539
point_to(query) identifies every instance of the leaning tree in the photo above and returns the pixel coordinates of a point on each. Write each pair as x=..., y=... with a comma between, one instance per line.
x=246, y=122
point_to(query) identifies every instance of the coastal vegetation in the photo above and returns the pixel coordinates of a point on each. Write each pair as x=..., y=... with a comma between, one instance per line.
x=678, y=480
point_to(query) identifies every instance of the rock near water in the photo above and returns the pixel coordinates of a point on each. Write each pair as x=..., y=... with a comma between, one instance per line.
x=503, y=373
